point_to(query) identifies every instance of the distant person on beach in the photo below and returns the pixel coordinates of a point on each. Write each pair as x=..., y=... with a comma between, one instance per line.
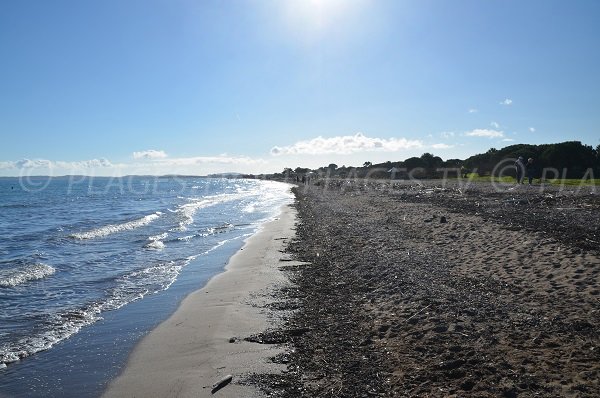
x=530, y=170
x=520, y=168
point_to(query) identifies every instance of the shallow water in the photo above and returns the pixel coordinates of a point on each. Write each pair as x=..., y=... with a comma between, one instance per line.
x=88, y=265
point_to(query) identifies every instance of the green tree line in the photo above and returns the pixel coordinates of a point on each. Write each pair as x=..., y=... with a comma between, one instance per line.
x=572, y=159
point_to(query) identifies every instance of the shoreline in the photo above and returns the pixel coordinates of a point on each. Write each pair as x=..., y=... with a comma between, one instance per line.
x=193, y=349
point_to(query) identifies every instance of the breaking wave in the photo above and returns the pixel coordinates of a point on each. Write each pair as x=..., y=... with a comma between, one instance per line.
x=186, y=212
x=114, y=228
x=17, y=276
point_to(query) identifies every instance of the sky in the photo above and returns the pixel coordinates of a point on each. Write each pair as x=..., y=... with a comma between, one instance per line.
x=118, y=87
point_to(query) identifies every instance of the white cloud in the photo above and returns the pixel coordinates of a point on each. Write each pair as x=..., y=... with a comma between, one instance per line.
x=150, y=154
x=507, y=140
x=161, y=158
x=347, y=144
x=7, y=165
x=473, y=110
x=85, y=164
x=447, y=134
x=485, y=133
x=33, y=164
x=50, y=164
x=506, y=102
x=189, y=165
x=197, y=160
x=532, y=129
x=442, y=146
x=495, y=125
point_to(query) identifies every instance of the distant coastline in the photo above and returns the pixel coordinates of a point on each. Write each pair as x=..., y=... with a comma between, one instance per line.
x=569, y=159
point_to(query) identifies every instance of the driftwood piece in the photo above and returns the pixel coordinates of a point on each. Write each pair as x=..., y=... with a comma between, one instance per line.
x=221, y=383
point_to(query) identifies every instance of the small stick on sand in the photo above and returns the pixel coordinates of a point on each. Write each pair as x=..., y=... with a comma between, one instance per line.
x=421, y=310
x=221, y=383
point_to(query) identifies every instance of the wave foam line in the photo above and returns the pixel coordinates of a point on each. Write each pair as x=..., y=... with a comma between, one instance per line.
x=187, y=211
x=18, y=276
x=114, y=228
x=62, y=325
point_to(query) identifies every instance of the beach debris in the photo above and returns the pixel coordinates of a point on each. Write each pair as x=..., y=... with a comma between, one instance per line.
x=269, y=337
x=417, y=313
x=232, y=339
x=221, y=383
x=516, y=201
x=452, y=364
x=443, y=220
x=415, y=316
x=276, y=336
x=298, y=331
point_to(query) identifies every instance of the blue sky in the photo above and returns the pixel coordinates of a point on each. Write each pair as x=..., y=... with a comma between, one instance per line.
x=187, y=86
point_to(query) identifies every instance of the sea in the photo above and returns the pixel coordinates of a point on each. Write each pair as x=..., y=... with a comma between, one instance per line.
x=89, y=265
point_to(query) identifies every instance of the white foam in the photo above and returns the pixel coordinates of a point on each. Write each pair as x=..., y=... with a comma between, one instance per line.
x=221, y=243
x=187, y=211
x=155, y=244
x=251, y=208
x=16, y=276
x=62, y=326
x=162, y=236
x=114, y=228
x=158, y=277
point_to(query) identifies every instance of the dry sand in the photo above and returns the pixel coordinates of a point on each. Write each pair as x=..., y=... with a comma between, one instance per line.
x=433, y=290
x=191, y=350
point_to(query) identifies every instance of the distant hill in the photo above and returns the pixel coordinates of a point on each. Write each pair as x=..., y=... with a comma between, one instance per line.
x=226, y=175
x=572, y=158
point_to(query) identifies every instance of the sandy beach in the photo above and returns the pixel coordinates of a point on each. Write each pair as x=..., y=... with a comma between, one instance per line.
x=438, y=289
x=398, y=290
x=203, y=341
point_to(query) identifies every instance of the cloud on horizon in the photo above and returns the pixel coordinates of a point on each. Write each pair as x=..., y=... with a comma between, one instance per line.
x=50, y=164
x=197, y=160
x=155, y=165
x=345, y=145
x=489, y=133
x=150, y=154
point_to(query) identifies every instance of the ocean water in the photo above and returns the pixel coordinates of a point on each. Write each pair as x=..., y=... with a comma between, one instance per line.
x=89, y=265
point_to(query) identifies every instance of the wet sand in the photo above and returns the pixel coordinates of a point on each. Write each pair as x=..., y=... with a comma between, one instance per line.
x=203, y=340
x=442, y=290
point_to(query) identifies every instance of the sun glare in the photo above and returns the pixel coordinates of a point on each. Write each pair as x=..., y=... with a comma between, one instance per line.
x=312, y=18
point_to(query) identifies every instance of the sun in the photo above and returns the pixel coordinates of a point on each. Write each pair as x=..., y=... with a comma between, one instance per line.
x=313, y=18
